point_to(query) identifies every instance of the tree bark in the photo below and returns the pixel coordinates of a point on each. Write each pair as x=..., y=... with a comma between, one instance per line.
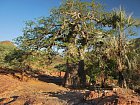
x=66, y=82
x=71, y=76
x=121, y=80
x=81, y=73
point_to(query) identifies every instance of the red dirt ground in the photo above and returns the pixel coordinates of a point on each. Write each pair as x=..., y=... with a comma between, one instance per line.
x=35, y=92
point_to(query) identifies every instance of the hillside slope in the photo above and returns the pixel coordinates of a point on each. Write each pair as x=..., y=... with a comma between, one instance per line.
x=8, y=43
x=35, y=92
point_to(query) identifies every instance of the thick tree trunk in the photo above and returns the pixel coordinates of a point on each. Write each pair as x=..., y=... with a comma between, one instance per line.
x=121, y=80
x=66, y=82
x=71, y=76
x=103, y=83
x=81, y=73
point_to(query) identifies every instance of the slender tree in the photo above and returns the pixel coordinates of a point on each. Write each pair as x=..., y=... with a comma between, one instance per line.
x=122, y=28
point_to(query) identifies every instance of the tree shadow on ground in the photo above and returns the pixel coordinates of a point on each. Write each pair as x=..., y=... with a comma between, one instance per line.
x=6, y=71
x=32, y=74
x=106, y=100
x=50, y=79
x=70, y=97
x=6, y=101
x=77, y=98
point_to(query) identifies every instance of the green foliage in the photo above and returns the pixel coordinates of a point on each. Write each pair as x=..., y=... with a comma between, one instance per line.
x=61, y=67
x=26, y=61
x=5, y=49
x=79, y=31
x=123, y=26
x=18, y=59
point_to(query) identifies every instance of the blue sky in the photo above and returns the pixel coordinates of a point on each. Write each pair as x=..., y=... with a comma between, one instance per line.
x=13, y=13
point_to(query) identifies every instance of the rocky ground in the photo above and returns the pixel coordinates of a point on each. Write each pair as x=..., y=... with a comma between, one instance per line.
x=37, y=92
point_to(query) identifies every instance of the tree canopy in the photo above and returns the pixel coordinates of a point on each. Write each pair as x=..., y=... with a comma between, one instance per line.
x=92, y=41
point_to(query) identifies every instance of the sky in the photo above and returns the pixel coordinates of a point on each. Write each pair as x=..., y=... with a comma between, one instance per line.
x=14, y=13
